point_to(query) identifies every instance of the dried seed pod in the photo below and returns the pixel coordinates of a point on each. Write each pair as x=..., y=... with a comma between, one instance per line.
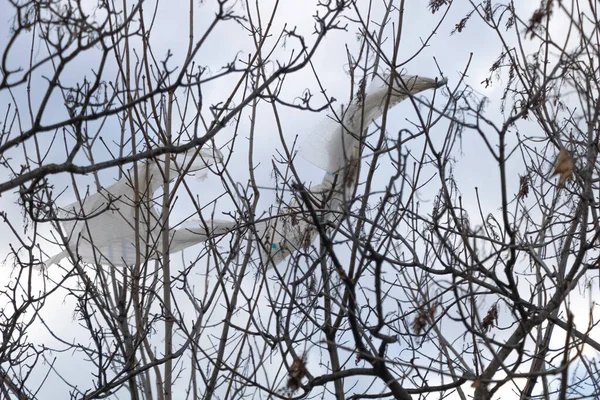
x=523, y=187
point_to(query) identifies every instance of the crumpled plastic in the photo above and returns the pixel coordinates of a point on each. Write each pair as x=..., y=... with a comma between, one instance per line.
x=293, y=229
x=103, y=230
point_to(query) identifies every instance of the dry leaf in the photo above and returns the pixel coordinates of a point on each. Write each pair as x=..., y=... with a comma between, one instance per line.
x=565, y=165
x=296, y=373
x=420, y=323
x=490, y=318
x=477, y=383
x=422, y=319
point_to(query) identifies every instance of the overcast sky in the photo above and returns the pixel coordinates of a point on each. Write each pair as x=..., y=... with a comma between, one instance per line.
x=474, y=167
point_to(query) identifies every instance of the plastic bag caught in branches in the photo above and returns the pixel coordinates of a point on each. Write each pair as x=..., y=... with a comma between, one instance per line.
x=293, y=230
x=103, y=230
x=334, y=147
x=330, y=146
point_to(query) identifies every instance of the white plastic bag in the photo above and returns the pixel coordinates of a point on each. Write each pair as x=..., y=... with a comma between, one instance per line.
x=331, y=145
x=103, y=229
x=335, y=147
x=294, y=229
